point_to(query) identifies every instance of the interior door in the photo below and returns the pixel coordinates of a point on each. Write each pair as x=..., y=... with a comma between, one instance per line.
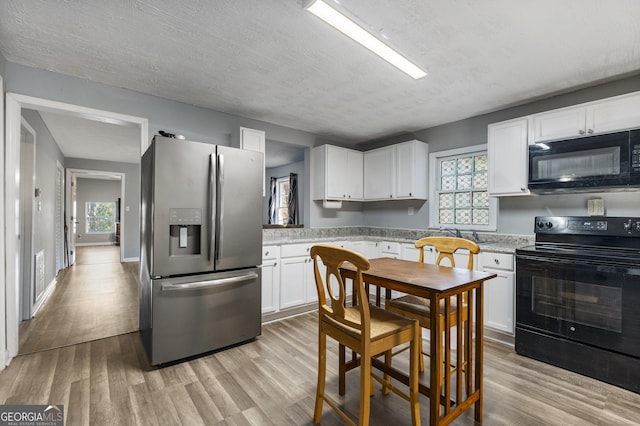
x=72, y=218
x=26, y=182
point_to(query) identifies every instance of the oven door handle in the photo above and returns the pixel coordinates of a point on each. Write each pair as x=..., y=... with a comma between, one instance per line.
x=572, y=261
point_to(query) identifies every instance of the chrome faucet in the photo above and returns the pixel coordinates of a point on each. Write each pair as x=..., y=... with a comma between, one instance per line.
x=453, y=231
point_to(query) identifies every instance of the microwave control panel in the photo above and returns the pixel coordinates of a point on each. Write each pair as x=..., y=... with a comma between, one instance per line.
x=635, y=157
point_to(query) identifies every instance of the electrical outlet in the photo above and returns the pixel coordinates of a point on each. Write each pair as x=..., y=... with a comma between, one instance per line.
x=595, y=207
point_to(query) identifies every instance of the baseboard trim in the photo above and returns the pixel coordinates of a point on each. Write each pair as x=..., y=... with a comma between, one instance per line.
x=47, y=293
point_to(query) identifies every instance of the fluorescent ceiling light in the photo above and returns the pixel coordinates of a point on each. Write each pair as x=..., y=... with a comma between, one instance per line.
x=345, y=25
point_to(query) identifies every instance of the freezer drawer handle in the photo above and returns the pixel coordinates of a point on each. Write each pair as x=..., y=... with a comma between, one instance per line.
x=209, y=283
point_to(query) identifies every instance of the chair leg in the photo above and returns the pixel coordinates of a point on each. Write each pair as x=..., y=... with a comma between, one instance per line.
x=365, y=388
x=468, y=364
x=420, y=353
x=322, y=367
x=387, y=378
x=415, y=358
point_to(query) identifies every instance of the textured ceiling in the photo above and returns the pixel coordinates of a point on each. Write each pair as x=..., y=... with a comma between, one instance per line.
x=270, y=60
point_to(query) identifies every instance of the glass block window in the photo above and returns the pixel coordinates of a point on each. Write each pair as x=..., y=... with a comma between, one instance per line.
x=461, y=190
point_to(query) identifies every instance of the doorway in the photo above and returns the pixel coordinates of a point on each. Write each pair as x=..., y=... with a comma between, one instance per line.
x=10, y=311
x=26, y=274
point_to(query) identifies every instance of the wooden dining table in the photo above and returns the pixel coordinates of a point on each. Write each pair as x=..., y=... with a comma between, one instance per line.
x=439, y=284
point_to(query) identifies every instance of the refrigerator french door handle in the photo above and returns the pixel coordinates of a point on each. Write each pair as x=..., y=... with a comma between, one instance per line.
x=208, y=283
x=211, y=212
x=220, y=208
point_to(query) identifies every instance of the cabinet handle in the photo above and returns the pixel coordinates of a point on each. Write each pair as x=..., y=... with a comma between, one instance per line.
x=410, y=194
x=344, y=196
x=523, y=189
x=497, y=262
x=275, y=264
x=590, y=131
x=581, y=132
x=390, y=195
x=266, y=253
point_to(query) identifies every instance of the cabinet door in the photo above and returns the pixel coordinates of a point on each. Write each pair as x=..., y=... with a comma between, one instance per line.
x=412, y=159
x=610, y=115
x=270, y=278
x=559, y=124
x=405, y=170
x=508, y=158
x=254, y=140
x=379, y=172
x=293, y=277
x=499, y=302
x=354, y=175
x=336, y=172
x=270, y=284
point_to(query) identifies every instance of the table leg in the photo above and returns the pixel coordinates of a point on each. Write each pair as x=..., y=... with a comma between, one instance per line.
x=479, y=350
x=435, y=361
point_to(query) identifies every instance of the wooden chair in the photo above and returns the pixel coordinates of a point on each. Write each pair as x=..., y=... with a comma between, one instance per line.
x=418, y=308
x=365, y=329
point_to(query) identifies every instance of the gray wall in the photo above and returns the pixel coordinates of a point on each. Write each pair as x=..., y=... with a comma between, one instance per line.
x=193, y=122
x=515, y=213
x=130, y=232
x=2, y=66
x=47, y=153
x=282, y=171
x=95, y=190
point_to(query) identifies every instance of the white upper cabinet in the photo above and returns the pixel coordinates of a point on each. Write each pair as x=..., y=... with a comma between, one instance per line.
x=337, y=173
x=396, y=172
x=603, y=116
x=508, y=158
x=254, y=140
x=411, y=170
x=379, y=172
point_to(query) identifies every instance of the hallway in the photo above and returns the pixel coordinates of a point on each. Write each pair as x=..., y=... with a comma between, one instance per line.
x=97, y=297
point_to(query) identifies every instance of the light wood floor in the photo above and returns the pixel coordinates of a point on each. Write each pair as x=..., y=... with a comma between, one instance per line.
x=97, y=297
x=271, y=381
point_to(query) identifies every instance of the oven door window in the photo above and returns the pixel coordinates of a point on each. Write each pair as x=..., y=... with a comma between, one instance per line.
x=581, y=303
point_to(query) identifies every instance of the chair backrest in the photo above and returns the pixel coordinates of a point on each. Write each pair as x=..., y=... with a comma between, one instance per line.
x=333, y=257
x=446, y=246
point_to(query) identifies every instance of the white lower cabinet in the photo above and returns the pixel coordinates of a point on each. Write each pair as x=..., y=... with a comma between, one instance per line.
x=297, y=284
x=270, y=278
x=499, y=294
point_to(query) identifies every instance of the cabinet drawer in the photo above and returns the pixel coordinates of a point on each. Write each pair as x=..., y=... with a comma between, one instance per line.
x=496, y=261
x=270, y=252
x=390, y=248
x=294, y=250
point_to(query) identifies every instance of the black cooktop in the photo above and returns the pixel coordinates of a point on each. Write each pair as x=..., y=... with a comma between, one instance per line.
x=611, y=240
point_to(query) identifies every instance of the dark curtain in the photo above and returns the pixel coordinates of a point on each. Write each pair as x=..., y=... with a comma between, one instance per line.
x=293, y=199
x=272, y=200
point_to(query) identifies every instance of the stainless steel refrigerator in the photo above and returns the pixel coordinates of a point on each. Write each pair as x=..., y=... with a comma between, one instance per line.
x=201, y=244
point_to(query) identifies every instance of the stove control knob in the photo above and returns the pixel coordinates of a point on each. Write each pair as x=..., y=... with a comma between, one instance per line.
x=540, y=224
x=636, y=226
x=627, y=225
x=549, y=225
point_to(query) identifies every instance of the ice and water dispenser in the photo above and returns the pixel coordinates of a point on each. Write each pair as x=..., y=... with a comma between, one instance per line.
x=185, y=227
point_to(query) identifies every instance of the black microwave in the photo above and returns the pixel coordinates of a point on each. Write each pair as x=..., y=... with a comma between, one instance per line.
x=593, y=163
